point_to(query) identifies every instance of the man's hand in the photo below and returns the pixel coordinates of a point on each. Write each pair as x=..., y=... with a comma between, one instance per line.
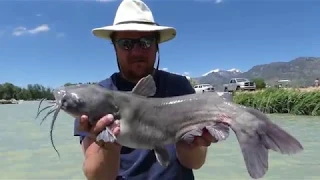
x=193, y=155
x=205, y=140
x=102, y=160
x=106, y=121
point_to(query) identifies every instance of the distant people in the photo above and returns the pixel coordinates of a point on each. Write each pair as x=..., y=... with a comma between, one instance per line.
x=316, y=82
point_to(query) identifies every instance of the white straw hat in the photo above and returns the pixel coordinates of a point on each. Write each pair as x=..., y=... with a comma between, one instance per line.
x=134, y=15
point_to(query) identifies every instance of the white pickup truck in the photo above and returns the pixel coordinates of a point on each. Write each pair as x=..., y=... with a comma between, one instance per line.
x=236, y=84
x=201, y=88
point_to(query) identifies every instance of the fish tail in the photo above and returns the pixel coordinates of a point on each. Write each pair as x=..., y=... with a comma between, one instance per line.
x=255, y=146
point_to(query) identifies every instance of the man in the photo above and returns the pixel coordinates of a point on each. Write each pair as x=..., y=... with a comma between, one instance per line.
x=135, y=37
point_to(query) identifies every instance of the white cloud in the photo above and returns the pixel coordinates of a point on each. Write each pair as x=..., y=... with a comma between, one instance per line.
x=218, y=1
x=39, y=29
x=182, y=74
x=61, y=35
x=165, y=69
x=19, y=31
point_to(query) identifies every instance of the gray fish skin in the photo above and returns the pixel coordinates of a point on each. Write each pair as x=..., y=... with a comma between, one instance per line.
x=152, y=123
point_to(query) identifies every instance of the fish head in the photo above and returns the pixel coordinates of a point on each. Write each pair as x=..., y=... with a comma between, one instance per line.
x=72, y=104
x=91, y=100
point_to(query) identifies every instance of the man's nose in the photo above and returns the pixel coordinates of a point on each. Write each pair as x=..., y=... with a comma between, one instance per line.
x=137, y=49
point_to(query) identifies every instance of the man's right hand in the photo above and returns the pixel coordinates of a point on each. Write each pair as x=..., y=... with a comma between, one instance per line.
x=106, y=121
x=99, y=164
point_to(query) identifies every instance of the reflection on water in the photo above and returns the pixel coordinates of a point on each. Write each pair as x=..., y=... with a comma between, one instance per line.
x=26, y=151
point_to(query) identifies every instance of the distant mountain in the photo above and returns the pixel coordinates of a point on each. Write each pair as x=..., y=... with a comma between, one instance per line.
x=301, y=71
x=218, y=77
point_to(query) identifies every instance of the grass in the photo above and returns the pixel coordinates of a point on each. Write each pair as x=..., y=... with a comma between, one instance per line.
x=293, y=101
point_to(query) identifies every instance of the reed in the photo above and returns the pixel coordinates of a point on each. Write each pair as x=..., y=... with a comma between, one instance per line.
x=272, y=100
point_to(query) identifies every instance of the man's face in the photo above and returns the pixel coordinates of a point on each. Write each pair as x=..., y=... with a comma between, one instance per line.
x=136, y=53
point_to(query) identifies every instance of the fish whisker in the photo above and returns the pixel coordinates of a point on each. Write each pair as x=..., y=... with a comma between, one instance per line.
x=50, y=112
x=39, y=112
x=40, y=104
x=55, y=115
x=56, y=109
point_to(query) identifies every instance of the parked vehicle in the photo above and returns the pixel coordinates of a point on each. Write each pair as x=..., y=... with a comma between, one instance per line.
x=201, y=88
x=236, y=84
x=283, y=83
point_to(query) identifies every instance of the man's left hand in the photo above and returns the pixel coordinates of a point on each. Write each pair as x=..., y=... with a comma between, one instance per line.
x=193, y=155
x=205, y=140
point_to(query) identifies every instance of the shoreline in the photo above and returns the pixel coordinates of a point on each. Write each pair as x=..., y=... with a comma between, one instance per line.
x=11, y=101
x=14, y=101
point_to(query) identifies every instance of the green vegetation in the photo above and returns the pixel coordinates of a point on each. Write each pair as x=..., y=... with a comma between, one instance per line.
x=31, y=92
x=10, y=91
x=70, y=84
x=192, y=82
x=260, y=84
x=272, y=100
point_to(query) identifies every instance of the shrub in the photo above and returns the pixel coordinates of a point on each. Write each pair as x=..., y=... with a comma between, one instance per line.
x=272, y=100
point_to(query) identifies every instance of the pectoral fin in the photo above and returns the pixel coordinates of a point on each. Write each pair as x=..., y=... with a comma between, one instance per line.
x=162, y=155
x=219, y=131
x=106, y=136
x=145, y=87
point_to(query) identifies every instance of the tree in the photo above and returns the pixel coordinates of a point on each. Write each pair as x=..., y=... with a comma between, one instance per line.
x=192, y=82
x=260, y=83
x=32, y=92
x=9, y=91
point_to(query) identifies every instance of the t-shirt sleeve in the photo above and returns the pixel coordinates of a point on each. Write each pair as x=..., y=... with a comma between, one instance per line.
x=75, y=129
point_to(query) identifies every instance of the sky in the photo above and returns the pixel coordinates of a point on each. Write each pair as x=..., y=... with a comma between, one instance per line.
x=50, y=42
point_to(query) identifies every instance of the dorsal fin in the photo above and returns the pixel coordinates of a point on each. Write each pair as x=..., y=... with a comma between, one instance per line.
x=145, y=87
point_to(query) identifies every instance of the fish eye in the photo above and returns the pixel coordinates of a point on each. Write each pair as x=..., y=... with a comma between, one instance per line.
x=80, y=101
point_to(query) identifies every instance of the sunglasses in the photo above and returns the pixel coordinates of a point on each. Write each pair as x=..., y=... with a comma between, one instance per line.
x=143, y=42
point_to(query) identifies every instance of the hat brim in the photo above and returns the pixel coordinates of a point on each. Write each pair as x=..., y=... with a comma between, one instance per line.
x=166, y=33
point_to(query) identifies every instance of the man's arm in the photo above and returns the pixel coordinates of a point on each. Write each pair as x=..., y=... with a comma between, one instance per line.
x=191, y=157
x=195, y=156
x=98, y=163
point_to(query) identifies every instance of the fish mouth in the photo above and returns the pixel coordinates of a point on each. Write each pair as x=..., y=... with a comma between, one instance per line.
x=59, y=95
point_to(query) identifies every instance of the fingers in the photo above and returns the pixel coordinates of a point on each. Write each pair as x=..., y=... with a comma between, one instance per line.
x=102, y=123
x=115, y=127
x=205, y=140
x=207, y=137
x=83, y=124
x=199, y=141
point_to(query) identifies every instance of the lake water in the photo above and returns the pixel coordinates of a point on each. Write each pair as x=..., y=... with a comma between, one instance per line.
x=26, y=151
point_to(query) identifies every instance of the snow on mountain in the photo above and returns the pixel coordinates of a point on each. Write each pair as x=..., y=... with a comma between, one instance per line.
x=212, y=71
x=234, y=70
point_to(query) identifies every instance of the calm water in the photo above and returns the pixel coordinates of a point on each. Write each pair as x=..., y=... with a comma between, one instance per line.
x=26, y=152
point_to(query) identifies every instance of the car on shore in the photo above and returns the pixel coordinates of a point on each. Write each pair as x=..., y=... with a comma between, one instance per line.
x=236, y=84
x=201, y=88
